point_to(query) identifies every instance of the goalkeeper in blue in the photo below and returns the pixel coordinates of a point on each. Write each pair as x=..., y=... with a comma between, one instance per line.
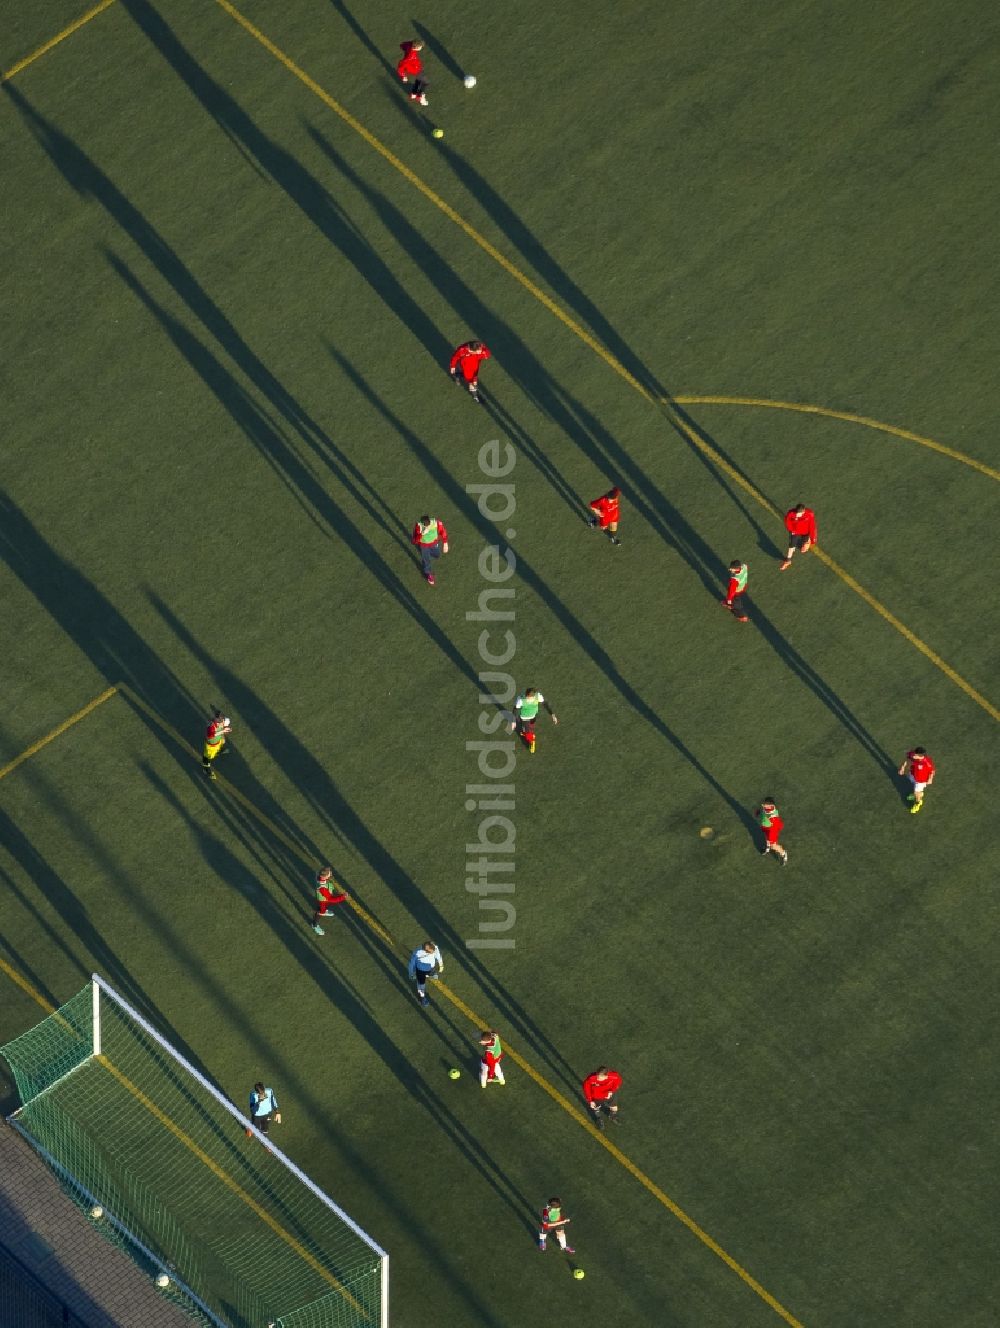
x=263, y=1108
x=425, y=962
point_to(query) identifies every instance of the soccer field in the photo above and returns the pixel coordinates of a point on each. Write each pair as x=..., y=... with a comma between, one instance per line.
x=729, y=259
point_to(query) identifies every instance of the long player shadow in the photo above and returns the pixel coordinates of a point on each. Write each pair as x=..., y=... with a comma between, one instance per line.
x=316, y=785
x=343, y=995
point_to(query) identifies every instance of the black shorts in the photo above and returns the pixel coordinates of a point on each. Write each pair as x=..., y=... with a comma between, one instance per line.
x=263, y=1122
x=798, y=542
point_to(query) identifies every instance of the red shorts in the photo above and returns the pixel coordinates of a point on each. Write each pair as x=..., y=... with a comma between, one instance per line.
x=491, y=1062
x=327, y=901
x=773, y=831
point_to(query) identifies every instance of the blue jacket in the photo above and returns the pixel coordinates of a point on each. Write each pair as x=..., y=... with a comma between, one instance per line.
x=424, y=961
x=262, y=1104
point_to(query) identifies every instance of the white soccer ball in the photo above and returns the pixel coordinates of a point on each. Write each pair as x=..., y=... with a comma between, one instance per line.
x=469, y=80
x=97, y=1211
x=162, y=1280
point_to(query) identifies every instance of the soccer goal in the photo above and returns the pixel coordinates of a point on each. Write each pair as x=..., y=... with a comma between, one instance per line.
x=160, y=1160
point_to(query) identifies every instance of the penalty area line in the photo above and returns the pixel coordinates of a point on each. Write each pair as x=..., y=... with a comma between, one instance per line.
x=57, y=732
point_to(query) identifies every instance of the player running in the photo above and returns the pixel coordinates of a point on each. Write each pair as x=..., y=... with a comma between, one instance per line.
x=425, y=962
x=598, y=1090
x=800, y=522
x=465, y=362
x=219, y=727
x=606, y=511
x=526, y=708
x=736, y=590
x=328, y=895
x=769, y=819
x=553, y=1221
x=919, y=769
x=489, y=1067
x=411, y=66
x=431, y=539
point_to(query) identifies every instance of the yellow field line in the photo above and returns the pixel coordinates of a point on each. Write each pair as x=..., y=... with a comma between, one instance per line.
x=27, y=987
x=581, y=332
x=951, y=674
x=59, y=729
x=804, y=408
x=397, y=164
x=577, y=1115
x=75, y=26
x=573, y=1112
x=220, y=1172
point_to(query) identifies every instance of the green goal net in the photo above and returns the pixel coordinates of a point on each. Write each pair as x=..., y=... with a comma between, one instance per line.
x=136, y=1133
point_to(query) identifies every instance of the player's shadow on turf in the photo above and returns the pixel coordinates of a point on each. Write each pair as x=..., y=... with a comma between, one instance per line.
x=437, y=50
x=88, y=180
x=528, y=448
x=222, y=863
x=804, y=671
x=61, y=898
x=336, y=519
x=765, y=541
x=315, y=783
x=534, y=252
x=118, y=652
x=376, y=52
x=573, y=626
x=607, y=455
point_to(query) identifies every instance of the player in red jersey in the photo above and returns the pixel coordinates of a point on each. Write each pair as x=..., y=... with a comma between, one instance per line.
x=607, y=510
x=769, y=819
x=919, y=768
x=490, y=1071
x=737, y=588
x=800, y=522
x=466, y=361
x=431, y=538
x=219, y=727
x=598, y=1090
x=411, y=66
x=553, y=1221
x=328, y=895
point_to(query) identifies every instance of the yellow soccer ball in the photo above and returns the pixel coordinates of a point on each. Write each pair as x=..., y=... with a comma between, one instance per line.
x=437, y=133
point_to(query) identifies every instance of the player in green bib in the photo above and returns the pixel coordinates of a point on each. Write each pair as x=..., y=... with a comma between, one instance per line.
x=526, y=708
x=736, y=590
x=489, y=1067
x=553, y=1222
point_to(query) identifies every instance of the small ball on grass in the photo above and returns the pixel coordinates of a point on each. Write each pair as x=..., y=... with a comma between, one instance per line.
x=162, y=1280
x=454, y=1074
x=579, y=1274
x=437, y=133
x=97, y=1211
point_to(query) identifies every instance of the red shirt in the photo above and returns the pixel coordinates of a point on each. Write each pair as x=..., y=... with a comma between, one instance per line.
x=441, y=539
x=468, y=360
x=216, y=731
x=599, y=1090
x=801, y=523
x=410, y=63
x=607, y=509
x=921, y=767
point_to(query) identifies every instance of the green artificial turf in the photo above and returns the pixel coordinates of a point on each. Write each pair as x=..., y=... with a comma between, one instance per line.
x=226, y=404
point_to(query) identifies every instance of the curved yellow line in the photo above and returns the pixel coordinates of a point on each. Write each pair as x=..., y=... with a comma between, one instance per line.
x=590, y=341
x=804, y=408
